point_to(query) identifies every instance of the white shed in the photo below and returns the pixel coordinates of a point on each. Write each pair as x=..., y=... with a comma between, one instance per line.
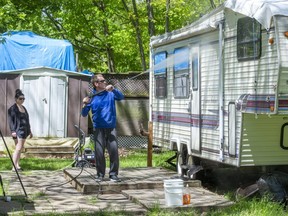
x=53, y=99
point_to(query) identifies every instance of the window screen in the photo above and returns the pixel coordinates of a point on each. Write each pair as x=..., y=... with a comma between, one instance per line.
x=181, y=72
x=160, y=74
x=248, y=39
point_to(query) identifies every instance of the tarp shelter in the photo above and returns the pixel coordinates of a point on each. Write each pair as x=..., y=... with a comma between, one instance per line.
x=25, y=49
x=44, y=69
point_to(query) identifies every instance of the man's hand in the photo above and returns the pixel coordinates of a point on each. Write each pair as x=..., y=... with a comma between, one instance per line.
x=86, y=100
x=109, y=88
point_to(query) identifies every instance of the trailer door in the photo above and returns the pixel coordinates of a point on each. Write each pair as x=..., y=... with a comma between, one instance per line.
x=195, y=99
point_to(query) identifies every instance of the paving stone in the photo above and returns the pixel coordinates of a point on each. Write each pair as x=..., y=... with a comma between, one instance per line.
x=75, y=190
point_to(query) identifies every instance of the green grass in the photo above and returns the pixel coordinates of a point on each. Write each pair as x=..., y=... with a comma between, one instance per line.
x=131, y=158
x=252, y=207
x=36, y=163
x=139, y=159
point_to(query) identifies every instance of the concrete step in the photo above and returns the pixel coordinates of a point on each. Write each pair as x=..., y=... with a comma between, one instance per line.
x=132, y=179
x=49, y=154
x=55, y=149
x=48, y=151
x=201, y=199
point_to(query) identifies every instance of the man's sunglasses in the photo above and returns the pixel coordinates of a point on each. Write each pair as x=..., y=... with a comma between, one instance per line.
x=101, y=81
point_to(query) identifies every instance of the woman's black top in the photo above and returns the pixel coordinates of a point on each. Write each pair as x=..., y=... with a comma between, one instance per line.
x=19, y=121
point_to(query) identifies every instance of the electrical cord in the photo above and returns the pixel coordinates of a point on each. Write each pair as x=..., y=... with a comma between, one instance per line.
x=92, y=176
x=100, y=191
x=59, y=185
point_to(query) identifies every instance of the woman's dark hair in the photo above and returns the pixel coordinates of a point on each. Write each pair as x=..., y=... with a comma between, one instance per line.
x=18, y=93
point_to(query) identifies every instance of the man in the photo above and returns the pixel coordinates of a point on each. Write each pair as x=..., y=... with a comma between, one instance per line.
x=102, y=105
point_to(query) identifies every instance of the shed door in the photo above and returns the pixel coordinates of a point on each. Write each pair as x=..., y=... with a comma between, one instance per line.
x=195, y=100
x=46, y=104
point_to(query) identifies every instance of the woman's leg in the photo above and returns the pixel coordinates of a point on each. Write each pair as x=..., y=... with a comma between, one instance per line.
x=17, y=153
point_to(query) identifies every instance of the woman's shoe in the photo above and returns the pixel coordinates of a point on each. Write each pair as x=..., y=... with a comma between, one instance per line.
x=18, y=169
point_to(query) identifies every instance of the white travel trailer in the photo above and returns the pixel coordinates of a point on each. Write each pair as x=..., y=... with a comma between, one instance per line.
x=219, y=86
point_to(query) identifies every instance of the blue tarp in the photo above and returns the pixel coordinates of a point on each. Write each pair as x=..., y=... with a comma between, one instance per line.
x=24, y=49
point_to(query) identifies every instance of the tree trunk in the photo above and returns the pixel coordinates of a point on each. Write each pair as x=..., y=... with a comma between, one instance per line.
x=108, y=47
x=150, y=14
x=109, y=50
x=212, y=4
x=135, y=22
x=167, y=16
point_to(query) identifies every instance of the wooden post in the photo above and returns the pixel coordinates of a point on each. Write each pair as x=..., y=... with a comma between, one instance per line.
x=150, y=142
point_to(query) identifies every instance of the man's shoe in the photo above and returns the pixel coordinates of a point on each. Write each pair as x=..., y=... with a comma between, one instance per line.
x=115, y=178
x=99, y=178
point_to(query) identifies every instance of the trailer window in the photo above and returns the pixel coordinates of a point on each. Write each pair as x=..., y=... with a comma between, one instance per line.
x=160, y=74
x=161, y=89
x=248, y=39
x=181, y=72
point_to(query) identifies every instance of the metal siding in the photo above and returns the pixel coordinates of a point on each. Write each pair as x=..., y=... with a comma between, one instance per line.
x=256, y=77
x=282, y=27
x=8, y=85
x=209, y=95
x=240, y=77
x=78, y=88
x=170, y=104
x=261, y=140
x=209, y=76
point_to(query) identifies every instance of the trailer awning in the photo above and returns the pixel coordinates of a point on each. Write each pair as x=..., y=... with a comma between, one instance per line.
x=261, y=10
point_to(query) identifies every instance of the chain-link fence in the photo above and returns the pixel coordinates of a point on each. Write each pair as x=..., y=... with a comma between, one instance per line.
x=133, y=111
x=132, y=85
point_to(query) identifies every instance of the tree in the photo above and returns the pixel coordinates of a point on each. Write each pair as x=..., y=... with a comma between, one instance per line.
x=109, y=49
x=135, y=21
x=167, y=16
x=150, y=15
x=103, y=32
x=212, y=4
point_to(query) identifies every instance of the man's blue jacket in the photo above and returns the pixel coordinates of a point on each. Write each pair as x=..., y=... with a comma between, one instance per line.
x=103, y=108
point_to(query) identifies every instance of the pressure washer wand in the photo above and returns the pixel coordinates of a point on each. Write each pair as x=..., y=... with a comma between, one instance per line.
x=95, y=94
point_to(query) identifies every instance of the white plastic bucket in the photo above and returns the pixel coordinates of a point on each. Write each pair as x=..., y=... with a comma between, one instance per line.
x=173, y=192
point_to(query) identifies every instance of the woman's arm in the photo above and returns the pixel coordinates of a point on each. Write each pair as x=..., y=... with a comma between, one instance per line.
x=12, y=119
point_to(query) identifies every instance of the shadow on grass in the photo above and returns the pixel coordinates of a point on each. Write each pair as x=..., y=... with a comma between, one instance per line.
x=17, y=204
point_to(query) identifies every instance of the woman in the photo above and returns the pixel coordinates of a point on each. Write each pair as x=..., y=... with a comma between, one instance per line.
x=19, y=126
